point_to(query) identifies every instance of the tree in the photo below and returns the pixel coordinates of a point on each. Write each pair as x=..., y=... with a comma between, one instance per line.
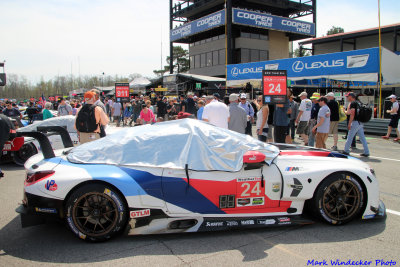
x=301, y=52
x=335, y=30
x=180, y=62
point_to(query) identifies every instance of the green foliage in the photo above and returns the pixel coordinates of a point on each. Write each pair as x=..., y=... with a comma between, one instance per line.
x=301, y=52
x=180, y=62
x=335, y=30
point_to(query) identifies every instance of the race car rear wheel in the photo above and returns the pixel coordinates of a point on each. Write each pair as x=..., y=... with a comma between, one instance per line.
x=95, y=212
x=24, y=153
x=339, y=199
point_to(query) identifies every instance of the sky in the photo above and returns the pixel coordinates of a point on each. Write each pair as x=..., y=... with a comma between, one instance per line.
x=46, y=38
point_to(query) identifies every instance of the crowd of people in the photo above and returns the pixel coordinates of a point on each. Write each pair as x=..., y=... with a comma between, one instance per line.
x=311, y=119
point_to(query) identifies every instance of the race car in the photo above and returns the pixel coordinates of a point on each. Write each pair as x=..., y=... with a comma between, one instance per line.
x=22, y=148
x=189, y=176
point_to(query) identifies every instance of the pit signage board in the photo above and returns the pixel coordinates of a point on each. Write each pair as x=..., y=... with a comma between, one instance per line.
x=274, y=86
x=122, y=91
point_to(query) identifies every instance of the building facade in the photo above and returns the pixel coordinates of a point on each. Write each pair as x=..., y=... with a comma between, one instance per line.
x=221, y=32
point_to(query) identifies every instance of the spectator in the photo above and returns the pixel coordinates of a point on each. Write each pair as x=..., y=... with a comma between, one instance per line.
x=394, y=118
x=127, y=113
x=11, y=112
x=110, y=103
x=146, y=115
x=303, y=118
x=294, y=107
x=30, y=111
x=171, y=109
x=200, y=105
x=46, y=111
x=98, y=103
x=321, y=129
x=271, y=128
x=216, y=113
x=64, y=108
x=313, y=119
x=238, y=117
x=162, y=107
x=86, y=119
x=355, y=127
x=190, y=104
x=281, y=121
x=183, y=104
x=353, y=143
x=249, y=112
x=116, y=112
x=334, y=118
x=262, y=123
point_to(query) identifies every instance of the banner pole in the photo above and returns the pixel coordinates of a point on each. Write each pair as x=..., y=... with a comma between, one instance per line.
x=380, y=61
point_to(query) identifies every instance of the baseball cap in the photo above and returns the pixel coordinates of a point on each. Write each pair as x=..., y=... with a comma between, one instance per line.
x=351, y=94
x=347, y=94
x=303, y=94
x=217, y=95
x=330, y=94
x=233, y=97
x=393, y=96
x=243, y=96
x=88, y=95
x=315, y=95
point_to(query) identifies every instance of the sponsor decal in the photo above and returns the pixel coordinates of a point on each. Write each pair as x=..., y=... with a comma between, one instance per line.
x=276, y=187
x=232, y=223
x=257, y=201
x=214, y=224
x=115, y=198
x=284, y=219
x=266, y=221
x=7, y=146
x=297, y=187
x=294, y=169
x=250, y=179
x=46, y=210
x=51, y=185
x=282, y=223
x=357, y=61
x=247, y=222
x=272, y=66
x=210, y=21
x=259, y=19
x=366, y=217
x=236, y=71
x=139, y=213
x=299, y=66
x=243, y=201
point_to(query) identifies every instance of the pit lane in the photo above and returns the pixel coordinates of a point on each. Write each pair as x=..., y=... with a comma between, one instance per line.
x=53, y=244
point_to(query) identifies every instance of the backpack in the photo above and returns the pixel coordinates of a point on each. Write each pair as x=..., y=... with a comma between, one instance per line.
x=364, y=113
x=86, y=120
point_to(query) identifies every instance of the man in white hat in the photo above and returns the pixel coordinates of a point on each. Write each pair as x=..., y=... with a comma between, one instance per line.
x=238, y=117
x=394, y=118
x=304, y=117
x=249, y=112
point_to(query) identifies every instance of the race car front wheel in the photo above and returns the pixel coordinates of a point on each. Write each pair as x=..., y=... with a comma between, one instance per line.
x=24, y=153
x=338, y=199
x=95, y=212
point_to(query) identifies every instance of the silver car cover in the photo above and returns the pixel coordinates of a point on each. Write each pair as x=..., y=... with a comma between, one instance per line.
x=68, y=121
x=173, y=144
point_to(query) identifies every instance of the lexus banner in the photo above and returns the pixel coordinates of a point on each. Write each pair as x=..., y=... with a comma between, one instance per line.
x=2, y=79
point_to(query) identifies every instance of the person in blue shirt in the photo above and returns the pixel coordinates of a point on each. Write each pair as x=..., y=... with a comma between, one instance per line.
x=200, y=105
x=281, y=120
x=249, y=111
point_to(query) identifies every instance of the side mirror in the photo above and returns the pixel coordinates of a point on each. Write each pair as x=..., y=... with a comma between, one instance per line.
x=253, y=160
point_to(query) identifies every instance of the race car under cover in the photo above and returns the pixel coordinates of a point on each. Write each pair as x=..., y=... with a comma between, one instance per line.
x=189, y=176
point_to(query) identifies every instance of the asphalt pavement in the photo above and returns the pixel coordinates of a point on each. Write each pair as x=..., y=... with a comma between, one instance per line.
x=53, y=244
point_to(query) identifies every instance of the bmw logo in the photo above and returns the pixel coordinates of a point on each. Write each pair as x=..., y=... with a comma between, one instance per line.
x=298, y=66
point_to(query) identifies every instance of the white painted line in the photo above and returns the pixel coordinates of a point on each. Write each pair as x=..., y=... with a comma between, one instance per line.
x=398, y=160
x=393, y=212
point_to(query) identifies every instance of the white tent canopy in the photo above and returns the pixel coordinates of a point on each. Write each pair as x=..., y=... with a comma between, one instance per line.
x=139, y=82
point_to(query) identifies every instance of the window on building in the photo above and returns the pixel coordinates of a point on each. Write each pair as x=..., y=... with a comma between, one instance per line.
x=222, y=57
x=202, y=60
x=197, y=43
x=197, y=61
x=254, y=36
x=245, y=55
x=203, y=41
x=192, y=62
x=264, y=37
x=215, y=38
x=209, y=59
x=215, y=57
x=254, y=55
x=245, y=34
x=191, y=44
x=208, y=40
x=222, y=36
x=264, y=55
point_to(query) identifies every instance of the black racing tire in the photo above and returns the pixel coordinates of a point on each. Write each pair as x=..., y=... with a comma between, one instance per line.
x=96, y=212
x=24, y=153
x=339, y=199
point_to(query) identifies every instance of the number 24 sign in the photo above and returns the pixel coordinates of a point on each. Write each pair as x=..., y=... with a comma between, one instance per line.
x=274, y=83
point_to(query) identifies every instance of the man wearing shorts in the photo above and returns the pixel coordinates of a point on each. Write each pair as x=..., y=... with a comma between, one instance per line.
x=303, y=117
x=394, y=118
x=333, y=128
x=321, y=129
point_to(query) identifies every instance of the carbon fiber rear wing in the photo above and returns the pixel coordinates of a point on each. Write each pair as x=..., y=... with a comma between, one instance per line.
x=44, y=142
